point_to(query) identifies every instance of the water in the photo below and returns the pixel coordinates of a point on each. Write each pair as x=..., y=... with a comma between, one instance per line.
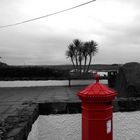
x=47, y=83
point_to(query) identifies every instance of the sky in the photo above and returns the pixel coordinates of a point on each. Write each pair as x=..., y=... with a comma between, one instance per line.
x=113, y=24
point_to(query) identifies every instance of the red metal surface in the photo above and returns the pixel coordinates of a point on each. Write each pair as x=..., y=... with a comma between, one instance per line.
x=97, y=111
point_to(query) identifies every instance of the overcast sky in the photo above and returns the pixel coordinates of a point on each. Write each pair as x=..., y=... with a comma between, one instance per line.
x=113, y=24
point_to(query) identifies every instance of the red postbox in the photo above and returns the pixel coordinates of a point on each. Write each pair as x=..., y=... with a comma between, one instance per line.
x=97, y=111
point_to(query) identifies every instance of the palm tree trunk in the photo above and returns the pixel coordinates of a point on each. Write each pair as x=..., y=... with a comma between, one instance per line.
x=80, y=63
x=76, y=59
x=73, y=64
x=80, y=66
x=85, y=64
x=89, y=63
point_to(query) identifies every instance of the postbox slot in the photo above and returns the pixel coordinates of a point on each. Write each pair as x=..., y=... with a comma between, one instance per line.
x=109, y=103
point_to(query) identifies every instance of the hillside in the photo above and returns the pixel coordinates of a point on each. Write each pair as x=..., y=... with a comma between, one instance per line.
x=46, y=72
x=70, y=67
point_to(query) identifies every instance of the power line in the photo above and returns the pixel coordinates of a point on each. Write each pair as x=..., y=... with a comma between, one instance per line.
x=58, y=12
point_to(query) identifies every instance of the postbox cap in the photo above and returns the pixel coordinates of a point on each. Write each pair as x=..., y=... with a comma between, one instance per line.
x=97, y=91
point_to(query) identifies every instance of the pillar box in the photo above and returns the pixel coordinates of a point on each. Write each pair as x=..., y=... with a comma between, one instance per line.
x=97, y=111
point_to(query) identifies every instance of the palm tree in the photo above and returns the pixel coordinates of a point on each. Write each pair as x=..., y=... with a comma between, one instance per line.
x=70, y=53
x=92, y=50
x=85, y=54
x=78, y=53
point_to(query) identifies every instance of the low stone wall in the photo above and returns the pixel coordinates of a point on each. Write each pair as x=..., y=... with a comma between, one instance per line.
x=128, y=104
x=18, y=126
x=59, y=108
x=119, y=104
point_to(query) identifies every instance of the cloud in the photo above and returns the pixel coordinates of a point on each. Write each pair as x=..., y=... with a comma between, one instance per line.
x=114, y=25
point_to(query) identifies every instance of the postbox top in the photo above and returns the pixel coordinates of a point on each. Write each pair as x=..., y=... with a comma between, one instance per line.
x=97, y=90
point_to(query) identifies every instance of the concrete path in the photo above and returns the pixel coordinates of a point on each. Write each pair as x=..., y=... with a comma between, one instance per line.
x=11, y=99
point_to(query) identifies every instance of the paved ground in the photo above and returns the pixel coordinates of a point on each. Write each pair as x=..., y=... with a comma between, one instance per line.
x=126, y=126
x=12, y=98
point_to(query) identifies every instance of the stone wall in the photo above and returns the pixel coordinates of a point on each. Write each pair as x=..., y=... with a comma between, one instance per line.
x=18, y=126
